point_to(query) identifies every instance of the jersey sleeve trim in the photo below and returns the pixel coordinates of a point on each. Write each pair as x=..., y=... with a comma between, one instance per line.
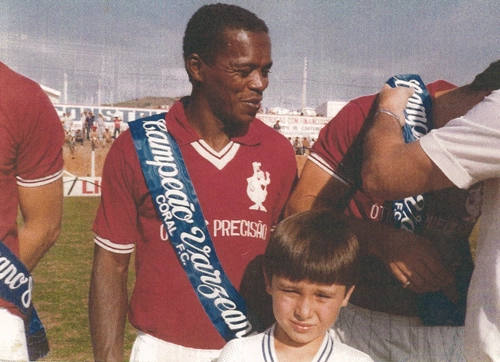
x=112, y=247
x=320, y=162
x=39, y=181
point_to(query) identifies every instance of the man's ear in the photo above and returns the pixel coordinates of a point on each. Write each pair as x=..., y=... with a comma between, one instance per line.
x=194, y=65
x=347, y=296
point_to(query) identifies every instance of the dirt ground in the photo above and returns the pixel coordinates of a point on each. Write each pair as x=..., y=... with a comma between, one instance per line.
x=79, y=164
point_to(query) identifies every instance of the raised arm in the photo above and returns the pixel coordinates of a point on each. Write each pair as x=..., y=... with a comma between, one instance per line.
x=393, y=169
x=42, y=209
x=108, y=302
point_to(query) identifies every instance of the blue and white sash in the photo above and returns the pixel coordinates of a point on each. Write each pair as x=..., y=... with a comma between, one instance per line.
x=177, y=205
x=409, y=214
x=16, y=285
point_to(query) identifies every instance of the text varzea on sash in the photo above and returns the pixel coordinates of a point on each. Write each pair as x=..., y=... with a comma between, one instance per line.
x=174, y=204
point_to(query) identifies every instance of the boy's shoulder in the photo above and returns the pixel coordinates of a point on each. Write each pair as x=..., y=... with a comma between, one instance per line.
x=246, y=349
x=260, y=347
x=344, y=353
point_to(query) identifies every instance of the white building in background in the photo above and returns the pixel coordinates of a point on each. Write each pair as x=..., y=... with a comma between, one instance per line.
x=306, y=111
x=330, y=108
x=54, y=95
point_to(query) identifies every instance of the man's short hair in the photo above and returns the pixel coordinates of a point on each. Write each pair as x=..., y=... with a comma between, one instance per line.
x=204, y=32
x=489, y=79
x=317, y=246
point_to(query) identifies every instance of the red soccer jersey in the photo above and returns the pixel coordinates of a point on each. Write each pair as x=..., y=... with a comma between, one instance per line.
x=31, y=139
x=242, y=190
x=338, y=151
x=450, y=214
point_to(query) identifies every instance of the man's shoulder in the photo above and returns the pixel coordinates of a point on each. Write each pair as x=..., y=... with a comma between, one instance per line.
x=123, y=144
x=439, y=86
x=15, y=87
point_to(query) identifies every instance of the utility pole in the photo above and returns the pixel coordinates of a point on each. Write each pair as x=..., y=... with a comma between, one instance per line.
x=304, y=85
x=65, y=87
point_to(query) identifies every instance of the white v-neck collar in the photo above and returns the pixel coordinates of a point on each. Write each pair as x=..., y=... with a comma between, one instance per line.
x=218, y=159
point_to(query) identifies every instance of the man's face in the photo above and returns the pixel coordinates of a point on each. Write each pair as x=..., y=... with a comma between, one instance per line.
x=304, y=310
x=235, y=83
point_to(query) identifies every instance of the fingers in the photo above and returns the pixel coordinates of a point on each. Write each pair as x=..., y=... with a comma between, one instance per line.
x=415, y=277
x=413, y=258
x=423, y=278
x=394, y=99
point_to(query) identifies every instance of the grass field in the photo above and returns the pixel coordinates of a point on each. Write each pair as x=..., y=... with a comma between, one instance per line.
x=62, y=283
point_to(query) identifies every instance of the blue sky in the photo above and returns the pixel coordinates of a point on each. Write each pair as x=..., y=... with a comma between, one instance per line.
x=132, y=48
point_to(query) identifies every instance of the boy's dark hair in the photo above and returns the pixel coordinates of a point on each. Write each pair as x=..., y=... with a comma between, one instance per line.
x=204, y=32
x=316, y=246
x=489, y=79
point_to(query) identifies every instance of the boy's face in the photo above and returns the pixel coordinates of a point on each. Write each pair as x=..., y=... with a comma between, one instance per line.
x=304, y=311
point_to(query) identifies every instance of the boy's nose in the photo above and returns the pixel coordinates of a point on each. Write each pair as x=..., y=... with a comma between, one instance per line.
x=304, y=308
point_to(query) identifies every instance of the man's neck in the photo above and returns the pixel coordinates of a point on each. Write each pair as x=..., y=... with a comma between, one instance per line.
x=206, y=125
x=455, y=103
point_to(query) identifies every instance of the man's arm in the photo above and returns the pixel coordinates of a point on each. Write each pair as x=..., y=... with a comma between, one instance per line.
x=315, y=189
x=42, y=210
x=393, y=169
x=108, y=303
x=408, y=256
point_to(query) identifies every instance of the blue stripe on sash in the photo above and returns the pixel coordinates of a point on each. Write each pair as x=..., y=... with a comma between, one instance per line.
x=16, y=285
x=177, y=205
x=409, y=214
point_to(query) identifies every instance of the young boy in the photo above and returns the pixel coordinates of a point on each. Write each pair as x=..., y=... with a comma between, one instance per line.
x=310, y=267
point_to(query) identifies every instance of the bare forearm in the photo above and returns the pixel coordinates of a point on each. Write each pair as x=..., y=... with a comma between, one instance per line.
x=316, y=189
x=34, y=241
x=390, y=169
x=108, y=303
x=393, y=169
x=42, y=209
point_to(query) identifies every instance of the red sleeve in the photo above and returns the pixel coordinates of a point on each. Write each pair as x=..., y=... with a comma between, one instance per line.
x=338, y=149
x=335, y=150
x=39, y=158
x=115, y=225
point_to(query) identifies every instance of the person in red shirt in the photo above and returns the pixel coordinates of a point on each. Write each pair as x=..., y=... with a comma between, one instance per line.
x=31, y=165
x=242, y=171
x=384, y=317
x=117, y=122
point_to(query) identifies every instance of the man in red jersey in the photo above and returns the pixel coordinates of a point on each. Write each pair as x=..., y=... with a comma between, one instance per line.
x=31, y=164
x=462, y=153
x=384, y=318
x=227, y=53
